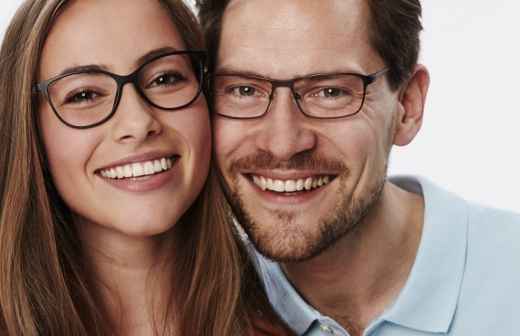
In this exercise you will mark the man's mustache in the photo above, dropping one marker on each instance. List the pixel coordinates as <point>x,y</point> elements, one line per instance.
<point>308,160</point>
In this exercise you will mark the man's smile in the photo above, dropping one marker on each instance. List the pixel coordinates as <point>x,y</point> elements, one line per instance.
<point>291,185</point>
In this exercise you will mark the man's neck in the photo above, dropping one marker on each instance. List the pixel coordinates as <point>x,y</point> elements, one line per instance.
<point>359,277</point>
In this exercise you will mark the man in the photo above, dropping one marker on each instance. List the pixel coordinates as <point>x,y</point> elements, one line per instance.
<point>309,98</point>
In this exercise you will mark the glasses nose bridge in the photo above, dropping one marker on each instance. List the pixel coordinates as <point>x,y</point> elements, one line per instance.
<point>287,84</point>
<point>122,81</point>
<point>282,83</point>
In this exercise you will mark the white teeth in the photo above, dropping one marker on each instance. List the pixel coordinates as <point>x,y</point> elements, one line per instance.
<point>148,168</point>
<point>260,181</point>
<point>308,183</point>
<point>279,186</point>
<point>120,172</point>
<point>157,166</point>
<point>138,169</point>
<point>269,184</point>
<point>263,183</point>
<point>287,186</point>
<point>128,171</point>
<point>290,186</point>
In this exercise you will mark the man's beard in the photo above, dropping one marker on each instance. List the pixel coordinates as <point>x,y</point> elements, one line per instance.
<point>289,243</point>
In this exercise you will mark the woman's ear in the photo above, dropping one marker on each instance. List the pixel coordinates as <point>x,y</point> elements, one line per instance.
<point>412,98</point>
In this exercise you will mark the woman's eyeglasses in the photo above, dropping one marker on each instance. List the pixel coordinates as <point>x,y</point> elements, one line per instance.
<point>88,97</point>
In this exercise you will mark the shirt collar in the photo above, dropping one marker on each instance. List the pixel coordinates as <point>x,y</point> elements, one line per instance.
<point>429,298</point>
<point>283,297</point>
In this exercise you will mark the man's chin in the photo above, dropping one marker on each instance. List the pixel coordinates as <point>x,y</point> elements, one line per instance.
<point>289,240</point>
<point>287,253</point>
<point>292,236</point>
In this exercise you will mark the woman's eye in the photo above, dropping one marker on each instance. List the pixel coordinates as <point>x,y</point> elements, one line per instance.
<point>167,79</point>
<point>81,97</point>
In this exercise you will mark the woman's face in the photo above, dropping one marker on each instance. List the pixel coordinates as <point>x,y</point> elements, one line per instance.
<point>171,147</point>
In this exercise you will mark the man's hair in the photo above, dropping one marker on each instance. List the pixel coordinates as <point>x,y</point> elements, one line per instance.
<point>394,33</point>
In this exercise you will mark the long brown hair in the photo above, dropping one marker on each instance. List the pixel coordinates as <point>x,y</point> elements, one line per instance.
<point>43,286</point>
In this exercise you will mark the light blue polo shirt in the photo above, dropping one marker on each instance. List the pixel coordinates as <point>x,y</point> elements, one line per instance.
<point>465,279</point>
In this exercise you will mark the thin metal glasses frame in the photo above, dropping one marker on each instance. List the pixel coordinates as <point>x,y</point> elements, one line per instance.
<point>275,83</point>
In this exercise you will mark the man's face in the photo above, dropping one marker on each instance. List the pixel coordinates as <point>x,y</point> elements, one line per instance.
<point>284,148</point>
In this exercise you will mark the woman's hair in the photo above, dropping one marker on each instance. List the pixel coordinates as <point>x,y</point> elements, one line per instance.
<point>44,287</point>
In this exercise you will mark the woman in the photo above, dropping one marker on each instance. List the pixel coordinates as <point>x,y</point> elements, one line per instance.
<point>107,226</point>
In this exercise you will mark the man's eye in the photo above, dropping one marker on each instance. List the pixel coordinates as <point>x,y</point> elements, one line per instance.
<point>81,97</point>
<point>332,92</point>
<point>244,91</point>
<point>166,79</point>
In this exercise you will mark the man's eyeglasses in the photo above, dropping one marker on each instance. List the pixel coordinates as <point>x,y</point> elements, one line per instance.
<point>321,96</point>
<point>89,97</point>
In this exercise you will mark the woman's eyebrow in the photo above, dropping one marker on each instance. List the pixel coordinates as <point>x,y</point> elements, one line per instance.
<point>84,68</point>
<point>154,53</point>
<point>101,67</point>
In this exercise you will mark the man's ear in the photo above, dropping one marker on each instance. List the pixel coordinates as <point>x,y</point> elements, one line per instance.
<point>412,98</point>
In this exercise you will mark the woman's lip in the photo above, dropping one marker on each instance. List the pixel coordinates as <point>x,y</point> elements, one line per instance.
<point>150,156</point>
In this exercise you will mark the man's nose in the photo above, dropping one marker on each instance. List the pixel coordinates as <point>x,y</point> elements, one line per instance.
<point>285,131</point>
<point>135,120</point>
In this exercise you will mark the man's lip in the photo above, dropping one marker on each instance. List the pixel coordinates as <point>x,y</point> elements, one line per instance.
<point>149,156</point>
<point>288,174</point>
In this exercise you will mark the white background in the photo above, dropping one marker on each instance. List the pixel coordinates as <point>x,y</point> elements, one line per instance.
<point>471,129</point>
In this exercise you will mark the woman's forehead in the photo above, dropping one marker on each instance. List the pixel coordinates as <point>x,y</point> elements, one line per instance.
<point>114,33</point>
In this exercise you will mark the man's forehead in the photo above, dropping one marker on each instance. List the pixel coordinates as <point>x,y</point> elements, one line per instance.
<point>252,11</point>
<point>299,33</point>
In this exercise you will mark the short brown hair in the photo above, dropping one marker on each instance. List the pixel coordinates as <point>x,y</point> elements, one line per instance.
<point>394,32</point>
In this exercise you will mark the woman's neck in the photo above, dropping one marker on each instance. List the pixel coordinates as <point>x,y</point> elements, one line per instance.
<point>134,276</point>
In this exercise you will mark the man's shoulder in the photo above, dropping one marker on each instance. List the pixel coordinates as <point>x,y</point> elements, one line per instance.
<point>489,290</point>
<point>483,215</point>
<point>492,227</point>
<point>445,206</point>
<point>493,244</point>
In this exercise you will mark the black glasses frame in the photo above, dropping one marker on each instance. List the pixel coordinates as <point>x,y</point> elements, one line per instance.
<point>198,60</point>
<point>276,83</point>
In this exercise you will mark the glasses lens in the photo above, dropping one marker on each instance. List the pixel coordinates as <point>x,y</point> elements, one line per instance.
<point>241,97</point>
<point>331,96</point>
<point>83,99</point>
<point>170,81</point>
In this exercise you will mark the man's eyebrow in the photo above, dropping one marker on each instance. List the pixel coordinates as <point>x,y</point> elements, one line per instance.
<point>235,71</point>
<point>101,67</point>
<point>232,71</point>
